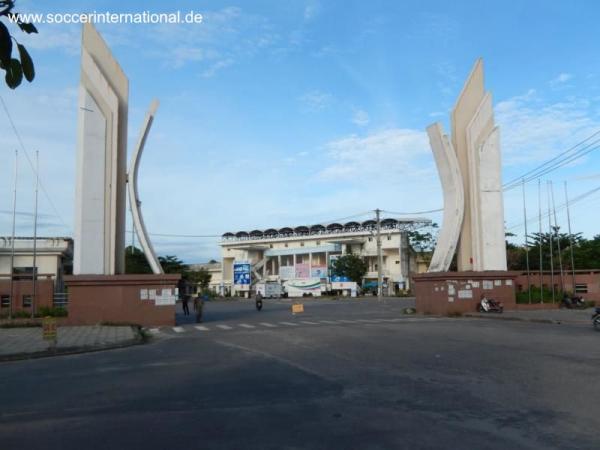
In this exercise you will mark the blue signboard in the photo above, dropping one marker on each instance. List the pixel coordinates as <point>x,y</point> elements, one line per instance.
<point>241,274</point>
<point>339,279</point>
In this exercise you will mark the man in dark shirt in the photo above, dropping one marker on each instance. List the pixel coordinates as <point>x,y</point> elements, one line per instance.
<point>184,302</point>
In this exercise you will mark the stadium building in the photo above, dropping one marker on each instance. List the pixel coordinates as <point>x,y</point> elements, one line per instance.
<point>306,252</point>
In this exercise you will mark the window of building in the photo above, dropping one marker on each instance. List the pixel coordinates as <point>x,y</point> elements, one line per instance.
<point>318,242</point>
<point>581,288</point>
<point>22,273</point>
<point>285,245</point>
<point>370,239</point>
<point>397,261</point>
<point>27,301</point>
<point>5,301</point>
<point>301,244</point>
<point>389,237</point>
<point>270,245</point>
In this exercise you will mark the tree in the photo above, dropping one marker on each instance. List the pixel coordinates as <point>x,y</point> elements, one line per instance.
<point>350,266</point>
<point>135,261</point>
<point>15,69</point>
<point>200,277</point>
<point>423,241</point>
<point>171,264</point>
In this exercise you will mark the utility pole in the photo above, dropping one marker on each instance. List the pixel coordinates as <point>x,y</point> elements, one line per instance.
<point>570,240</point>
<point>379,257</point>
<point>12,250</point>
<point>35,220</point>
<point>526,243</point>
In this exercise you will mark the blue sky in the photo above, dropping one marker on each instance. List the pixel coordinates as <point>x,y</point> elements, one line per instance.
<point>286,113</point>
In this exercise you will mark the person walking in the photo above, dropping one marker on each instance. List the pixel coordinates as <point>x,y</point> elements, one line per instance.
<point>184,302</point>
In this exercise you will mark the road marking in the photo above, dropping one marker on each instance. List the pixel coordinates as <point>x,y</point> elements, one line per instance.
<point>329,322</point>
<point>178,329</point>
<point>289,324</point>
<point>154,330</point>
<point>346,321</point>
<point>366,320</point>
<point>308,323</point>
<point>265,324</point>
<point>201,328</point>
<point>245,325</point>
<point>224,327</point>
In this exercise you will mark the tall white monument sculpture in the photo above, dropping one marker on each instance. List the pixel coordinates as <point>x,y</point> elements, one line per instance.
<point>138,220</point>
<point>470,170</point>
<point>101,160</point>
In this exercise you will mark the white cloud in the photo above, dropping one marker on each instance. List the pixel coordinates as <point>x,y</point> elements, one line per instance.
<point>437,114</point>
<point>360,118</point>
<point>561,79</point>
<point>219,65</point>
<point>384,154</point>
<point>533,130</point>
<point>312,9</point>
<point>316,100</point>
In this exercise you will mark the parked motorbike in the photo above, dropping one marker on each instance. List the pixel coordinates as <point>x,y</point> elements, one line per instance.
<point>596,319</point>
<point>489,305</point>
<point>576,302</point>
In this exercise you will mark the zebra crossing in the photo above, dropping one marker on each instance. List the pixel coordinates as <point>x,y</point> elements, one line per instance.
<point>205,328</point>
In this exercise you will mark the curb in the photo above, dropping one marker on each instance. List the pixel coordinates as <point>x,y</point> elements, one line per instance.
<point>140,339</point>
<point>521,319</point>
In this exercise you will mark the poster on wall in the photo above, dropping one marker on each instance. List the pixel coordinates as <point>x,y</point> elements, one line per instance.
<point>241,274</point>
<point>318,272</point>
<point>302,271</point>
<point>287,272</point>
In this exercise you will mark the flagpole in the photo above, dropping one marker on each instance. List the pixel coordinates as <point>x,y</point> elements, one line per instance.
<point>550,235</point>
<point>35,222</point>
<point>526,244</point>
<point>556,228</point>
<point>570,239</point>
<point>12,250</point>
<point>541,238</point>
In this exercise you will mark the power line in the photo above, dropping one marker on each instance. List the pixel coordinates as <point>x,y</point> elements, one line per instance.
<point>559,208</point>
<point>556,162</point>
<point>41,185</point>
<point>414,213</point>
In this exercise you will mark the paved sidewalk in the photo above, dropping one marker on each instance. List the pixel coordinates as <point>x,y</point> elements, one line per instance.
<point>574,316</point>
<point>24,342</point>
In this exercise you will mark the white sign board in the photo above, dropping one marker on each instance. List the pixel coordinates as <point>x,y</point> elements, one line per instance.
<point>467,293</point>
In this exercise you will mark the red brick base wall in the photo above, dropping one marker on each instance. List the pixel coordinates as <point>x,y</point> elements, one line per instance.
<point>44,294</point>
<point>444,293</point>
<point>97,298</point>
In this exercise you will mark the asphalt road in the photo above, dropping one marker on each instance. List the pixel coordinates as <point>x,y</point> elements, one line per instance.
<point>377,380</point>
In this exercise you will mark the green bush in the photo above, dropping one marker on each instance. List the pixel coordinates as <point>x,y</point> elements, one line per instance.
<point>536,295</point>
<point>21,315</point>
<point>52,312</point>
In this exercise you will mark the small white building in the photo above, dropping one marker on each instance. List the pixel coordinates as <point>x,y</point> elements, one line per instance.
<point>54,258</point>
<point>215,270</point>
<point>307,252</point>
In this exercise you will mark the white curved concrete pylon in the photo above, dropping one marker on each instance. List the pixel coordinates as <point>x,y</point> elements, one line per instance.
<point>454,198</point>
<point>138,221</point>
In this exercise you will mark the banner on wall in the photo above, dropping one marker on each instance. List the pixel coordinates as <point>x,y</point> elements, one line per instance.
<point>318,271</point>
<point>241,274</point>
<point>302,271</point>
<point>287,272</point>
